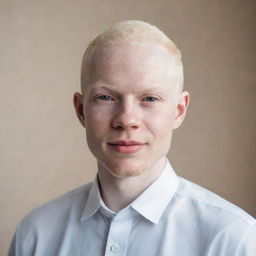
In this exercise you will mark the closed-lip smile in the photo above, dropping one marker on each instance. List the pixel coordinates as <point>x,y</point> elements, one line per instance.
<point>126,142</point>
<point>126,146</point>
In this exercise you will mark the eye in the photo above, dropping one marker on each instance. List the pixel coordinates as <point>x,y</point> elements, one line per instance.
<point>105,98</point>
<point>150,99</point>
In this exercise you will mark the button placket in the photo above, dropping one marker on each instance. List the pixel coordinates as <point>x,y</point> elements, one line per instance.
<point>118,238</point>
<point>114,247</point>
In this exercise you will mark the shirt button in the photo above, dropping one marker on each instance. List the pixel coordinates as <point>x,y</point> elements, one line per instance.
<point>114,248</point>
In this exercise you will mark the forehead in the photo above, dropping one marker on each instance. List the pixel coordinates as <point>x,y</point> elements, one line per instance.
<point>131,64</point>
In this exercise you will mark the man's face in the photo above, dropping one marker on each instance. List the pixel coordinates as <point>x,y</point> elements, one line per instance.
<point>130,107</point>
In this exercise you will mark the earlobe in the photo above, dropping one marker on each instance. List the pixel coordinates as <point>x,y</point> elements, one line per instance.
<point>79,107</point>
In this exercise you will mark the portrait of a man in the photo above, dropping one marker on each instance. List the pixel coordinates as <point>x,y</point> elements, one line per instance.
<point>131,101</point>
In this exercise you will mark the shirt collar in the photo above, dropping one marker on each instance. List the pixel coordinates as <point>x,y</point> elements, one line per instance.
<point>93,201</point>
<point>153,201</point>
<point>150,204</point>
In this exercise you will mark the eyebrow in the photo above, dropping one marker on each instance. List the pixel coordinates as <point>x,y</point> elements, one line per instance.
<point>104,87</point>
<point>146,90</point>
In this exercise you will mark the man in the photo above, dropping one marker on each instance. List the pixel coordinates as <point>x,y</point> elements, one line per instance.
<point>131,100</point>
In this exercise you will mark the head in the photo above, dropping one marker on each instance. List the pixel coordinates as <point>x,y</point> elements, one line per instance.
<point>130,32</point>
<point>131,97</point>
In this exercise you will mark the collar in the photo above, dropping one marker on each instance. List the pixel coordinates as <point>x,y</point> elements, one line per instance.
<point>154,200</point>
<point>93,201</point>
<point>150,204</point>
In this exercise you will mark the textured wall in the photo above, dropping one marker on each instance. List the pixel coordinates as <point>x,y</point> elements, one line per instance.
<point>43,151</point>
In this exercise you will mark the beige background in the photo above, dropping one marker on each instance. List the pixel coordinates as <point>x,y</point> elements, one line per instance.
<point>43,148</point>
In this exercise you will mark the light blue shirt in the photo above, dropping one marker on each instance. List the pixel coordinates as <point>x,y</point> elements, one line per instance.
<point>172,217</point>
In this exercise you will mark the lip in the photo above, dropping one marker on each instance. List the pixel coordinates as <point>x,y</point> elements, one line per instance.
<point>126,142</point>
<point>126,146</point>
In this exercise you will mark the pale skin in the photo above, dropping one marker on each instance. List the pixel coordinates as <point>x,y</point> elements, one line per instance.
<point>132,93</point>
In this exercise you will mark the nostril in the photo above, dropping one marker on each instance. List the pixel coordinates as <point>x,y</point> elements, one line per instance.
<point>118,127</point>
<point>126,118</point>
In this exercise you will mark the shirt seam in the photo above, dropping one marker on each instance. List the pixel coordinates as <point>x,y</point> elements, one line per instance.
<point>250,221</point>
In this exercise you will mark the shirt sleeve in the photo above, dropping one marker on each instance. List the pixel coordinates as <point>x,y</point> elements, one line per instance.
<point>23,242</point>
<point>12,249</point>
<point>247,246</point>
<point>236,239</point>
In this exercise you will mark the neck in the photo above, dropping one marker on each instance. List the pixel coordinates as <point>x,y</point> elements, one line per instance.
<point>119,192</point>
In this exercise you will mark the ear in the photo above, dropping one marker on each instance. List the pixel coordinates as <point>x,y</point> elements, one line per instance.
<point>181,109</point>
<point>79,107</point>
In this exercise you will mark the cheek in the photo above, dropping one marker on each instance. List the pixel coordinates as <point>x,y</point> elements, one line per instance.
<point>96,118</point>
<point>97,123</point>
<point>160,122</point>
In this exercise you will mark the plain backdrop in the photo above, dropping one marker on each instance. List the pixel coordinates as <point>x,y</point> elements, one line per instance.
<point>43,151</point>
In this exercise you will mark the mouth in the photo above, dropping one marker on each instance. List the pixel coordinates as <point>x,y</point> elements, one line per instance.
<point>126,146</point>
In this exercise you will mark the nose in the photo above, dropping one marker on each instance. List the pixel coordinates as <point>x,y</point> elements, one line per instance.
<point>127,116</point>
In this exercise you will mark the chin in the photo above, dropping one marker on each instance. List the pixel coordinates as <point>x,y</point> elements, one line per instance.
<point>126,170</point>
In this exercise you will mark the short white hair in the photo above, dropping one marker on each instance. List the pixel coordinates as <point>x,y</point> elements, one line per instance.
<point>131,31</point>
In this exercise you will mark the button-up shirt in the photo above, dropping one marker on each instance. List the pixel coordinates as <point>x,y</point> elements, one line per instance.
<point>172,217</point>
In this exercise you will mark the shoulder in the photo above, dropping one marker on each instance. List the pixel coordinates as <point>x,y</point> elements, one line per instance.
<point>204,199</point>
<point>44,228</point>
<point>56,211</point>
<point>221,224</point>
<point>47,223</point>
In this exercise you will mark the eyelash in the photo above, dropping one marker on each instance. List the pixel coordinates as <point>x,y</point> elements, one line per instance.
<point>101,97</point>
<point>109,98</point>
<point>151,97</point>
